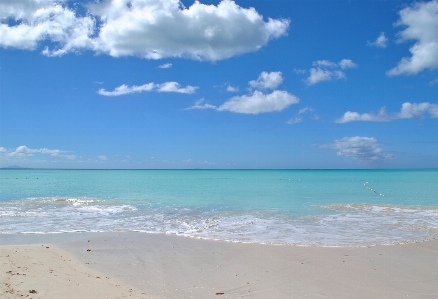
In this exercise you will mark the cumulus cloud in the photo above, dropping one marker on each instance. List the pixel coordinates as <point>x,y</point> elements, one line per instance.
<point>421,22</point>
<point>326,70</point>
<point>360,148</point>
<point>412,110</point>
<point>408,110</point>
<point>347,64</point>
<point>102,158</point>
<point>164,87</point>
<point>319,75</point>
<point>151,29</point>
<point>39,20</point>
<point>267,80</point>
<point>258,102</point>
<point>165,66</point>
<point>380,42</point>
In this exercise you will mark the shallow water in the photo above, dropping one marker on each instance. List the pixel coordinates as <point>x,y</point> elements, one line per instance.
<point>303,207</point>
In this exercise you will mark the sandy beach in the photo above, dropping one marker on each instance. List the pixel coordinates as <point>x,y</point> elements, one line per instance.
<point>138,265</point>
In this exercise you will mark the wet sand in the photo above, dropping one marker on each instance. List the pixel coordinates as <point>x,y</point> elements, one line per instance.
<point>142,265</point>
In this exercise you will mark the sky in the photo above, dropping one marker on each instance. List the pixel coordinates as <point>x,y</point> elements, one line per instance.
<point>252,84</point>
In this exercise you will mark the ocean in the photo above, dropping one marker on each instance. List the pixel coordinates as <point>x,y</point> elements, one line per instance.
<point>297,207</point>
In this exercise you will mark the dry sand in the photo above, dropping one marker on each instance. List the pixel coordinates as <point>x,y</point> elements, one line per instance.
<point>44,271</point>
<point>165,266</point>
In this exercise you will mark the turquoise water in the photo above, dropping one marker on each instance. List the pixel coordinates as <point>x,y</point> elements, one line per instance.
<point>303,207</point>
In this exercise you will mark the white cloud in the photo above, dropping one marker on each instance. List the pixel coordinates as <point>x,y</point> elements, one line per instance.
<point>267,80</point>
<point>40,20</point>
<point>359,148</point>
<point>412,110</point>
<point>295,120</point>
<point>347,64</point>
<point>164,87</point>
<point>151,29</point>
<point>102,158</point>
<point>421,22</point>
<point>258,102</point>
<point>232,88</point>
<point>324,63</point>
<point>299,116</point>
<point>326,70</point>
<point>319,75</point>
<point>408,110</point>
<point>23,152</point>
<point>175,87</point>
<point>380,42</point>
<point>199,105</point>
<point>125,89</point>
<point>433,82</point>
<point>299,71</point>
<point>165,66</point>
<point>350,116</point>
<point>254,103</point>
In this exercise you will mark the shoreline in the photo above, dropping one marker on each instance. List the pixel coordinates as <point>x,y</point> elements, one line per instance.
<point>169,266</point>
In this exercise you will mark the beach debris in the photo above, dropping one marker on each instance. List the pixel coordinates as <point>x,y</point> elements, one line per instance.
<point>88,249</point>
<point>32,291</point>
<point>220,293</point>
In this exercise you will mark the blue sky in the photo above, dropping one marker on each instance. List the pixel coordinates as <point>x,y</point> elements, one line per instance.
<point>218,84</point>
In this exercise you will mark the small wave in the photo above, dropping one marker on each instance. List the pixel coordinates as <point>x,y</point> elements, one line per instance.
<point>341,225</point>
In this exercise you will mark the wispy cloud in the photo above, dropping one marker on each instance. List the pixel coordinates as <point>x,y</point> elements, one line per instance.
<point>200,104</point>
<point>299,116</point>
<point>125,89</point>
<point>255,103</point>
<point>408,110</point>
<point>22,152</point>
<point>326,70</point>
<point>380,42</point>
<point>175,87</point>
<point>165,66</point>
<point>433,82</point>
<point>360,148</point>
<point>232,88</point>
<point>164,87</point>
